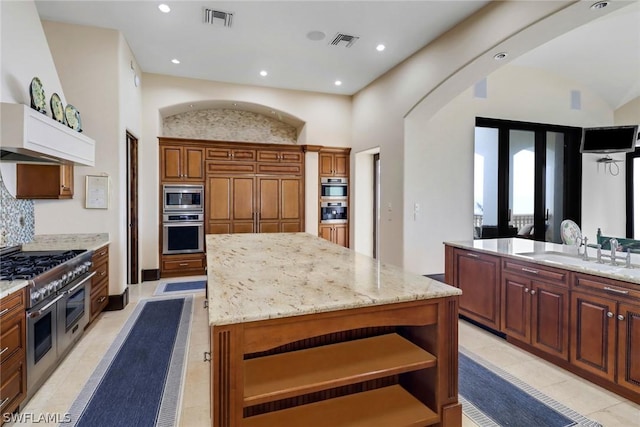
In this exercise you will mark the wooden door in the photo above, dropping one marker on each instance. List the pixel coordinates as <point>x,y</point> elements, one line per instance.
<point>341,235</point>
<point>516,307</point>
<point>478,276</point>
<point>326,232</point>
<point>628,320</point>
<point>268,205</point>
<point>171,163</point>
<point>550,319</point>
<point>326,164</point>
<point>593,334</point>
<point>244,211</point>
<point>340,165</point>
<point>219,202</point>
<point>194,163</point>
<point>291,205</point>
<point>66,181</point>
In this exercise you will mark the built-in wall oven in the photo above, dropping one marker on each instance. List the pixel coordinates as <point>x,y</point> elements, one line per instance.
<point>182,233</point>
<point>182,198</point>
<point>334,188</point>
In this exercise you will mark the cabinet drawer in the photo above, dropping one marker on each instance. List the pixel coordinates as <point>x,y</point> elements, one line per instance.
<point>12,303</point>
<point>283,168</point>
<point>230,167</point>
<point>268,156</point>
<point>13,382</point>
<point>100,255</point>
<point>231,154</point>
<point>102,272</point>
<point>12,336</point>
<point>535,271</point>
<point>99,299</point>
<point>602,285</point>
<point>182,264</point>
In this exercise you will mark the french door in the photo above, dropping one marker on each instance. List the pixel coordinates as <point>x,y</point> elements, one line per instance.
<point>527,179</point>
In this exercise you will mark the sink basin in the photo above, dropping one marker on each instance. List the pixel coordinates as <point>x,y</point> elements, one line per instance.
<point>562,258</point>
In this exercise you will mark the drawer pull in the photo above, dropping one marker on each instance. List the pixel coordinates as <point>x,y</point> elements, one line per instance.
<point>530,270</point>
<point>609,314</point>
<point>5,400</point>
<point>618,291</point>
<point>3,312</point>
<point>183,264</point>
<point>102,253</point>
<point>102,299</point>
<point>473,255</point>
<point>3,350</point>
<point>102,273</point>
<point>620,317</point>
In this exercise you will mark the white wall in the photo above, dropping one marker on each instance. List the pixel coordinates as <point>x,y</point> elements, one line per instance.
<point>439,156</point>
<point>327,121</point>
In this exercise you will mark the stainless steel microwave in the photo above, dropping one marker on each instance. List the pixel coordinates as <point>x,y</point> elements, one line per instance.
<point>182,198</point>
<point>334,188</point>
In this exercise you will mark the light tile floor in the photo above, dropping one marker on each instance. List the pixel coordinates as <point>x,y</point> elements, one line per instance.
<point>61,389</point>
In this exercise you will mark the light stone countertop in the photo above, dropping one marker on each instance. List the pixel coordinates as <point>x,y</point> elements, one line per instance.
<point>557,255</point>
<point>54,242</point>
<point>265,276</point>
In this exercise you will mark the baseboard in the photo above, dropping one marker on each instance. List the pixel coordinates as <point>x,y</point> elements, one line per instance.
<point>118,302</point>
<point>150,275</point>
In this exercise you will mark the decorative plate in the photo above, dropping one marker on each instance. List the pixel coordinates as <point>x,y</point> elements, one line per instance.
<point>570,232</point>
<point>57,110</point>
<point>73,118</point>
<point>38,100</point>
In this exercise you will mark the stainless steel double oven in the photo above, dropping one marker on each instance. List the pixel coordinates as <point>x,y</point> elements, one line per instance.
<point>182,219</point>
<point>334,206</point>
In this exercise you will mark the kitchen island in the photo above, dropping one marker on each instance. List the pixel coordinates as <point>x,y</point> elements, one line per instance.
<point>306,332</point>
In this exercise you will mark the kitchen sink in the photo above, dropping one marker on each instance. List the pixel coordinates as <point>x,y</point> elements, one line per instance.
<point>562,258</point>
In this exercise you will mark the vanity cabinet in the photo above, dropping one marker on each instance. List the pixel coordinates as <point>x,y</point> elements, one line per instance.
<point>181,163</point>
<point>535,306</point>
<point>605,324</point>
<point>99,282</point>
<point>478,276</point>
<point>44,181</point>
<point>13,350</point>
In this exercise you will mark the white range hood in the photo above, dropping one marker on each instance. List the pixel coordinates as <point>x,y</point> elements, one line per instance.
<point>30,136</point>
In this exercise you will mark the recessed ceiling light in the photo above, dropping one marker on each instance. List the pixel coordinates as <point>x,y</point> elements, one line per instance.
<point>338,83</point>
<point>380,47</point>
<point>599,5</point>
<point>500,56</point>
<point>263,73</point>
<point>316,35</point>
<point>175,61</point>
<point>164,8</point>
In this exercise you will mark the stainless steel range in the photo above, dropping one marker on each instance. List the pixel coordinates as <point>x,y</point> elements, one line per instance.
<point>58,304</point>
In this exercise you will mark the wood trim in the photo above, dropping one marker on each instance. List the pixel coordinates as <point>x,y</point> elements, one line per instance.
<point>205,143</point>
<point>118,302</point>
<point>311,148</point>
<point>150,274</point>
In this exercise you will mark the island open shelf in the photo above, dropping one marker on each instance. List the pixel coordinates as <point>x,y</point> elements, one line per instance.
<point>349,352</point>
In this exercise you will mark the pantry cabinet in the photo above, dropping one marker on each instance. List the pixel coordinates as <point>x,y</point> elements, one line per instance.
<point>44,181</point>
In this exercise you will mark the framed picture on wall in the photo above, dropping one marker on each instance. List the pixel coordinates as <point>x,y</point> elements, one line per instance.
<point>97,192</point>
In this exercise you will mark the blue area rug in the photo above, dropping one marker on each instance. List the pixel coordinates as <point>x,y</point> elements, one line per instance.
<point>492,397</point>
<point>181,287</point>
<point>139,381</point>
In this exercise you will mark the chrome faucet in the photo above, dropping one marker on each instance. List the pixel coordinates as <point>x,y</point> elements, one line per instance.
<point>614,249</point>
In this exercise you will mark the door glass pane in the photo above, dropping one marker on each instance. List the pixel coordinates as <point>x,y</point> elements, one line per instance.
<point>554,193</point>
<point>521,181</point>
<point>485,191</point>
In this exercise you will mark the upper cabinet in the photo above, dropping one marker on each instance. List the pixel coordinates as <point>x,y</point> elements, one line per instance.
<point>182,163</point>
<point>44,181</point>
<point>334,162</point>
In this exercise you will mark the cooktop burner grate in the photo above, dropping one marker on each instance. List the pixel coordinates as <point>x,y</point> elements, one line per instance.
<point>29,264</point>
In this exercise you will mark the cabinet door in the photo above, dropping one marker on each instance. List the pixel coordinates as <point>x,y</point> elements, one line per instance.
<point>326,232</point>
<point>171,163</point>
<point>230,205</point>
<point>341,235</point>
<point>66,181</point>
<point>516,307</point>
<point>326,164</point>
<point>340,165</point>
<point>194,163</point>
<point>628,319</point>
<point>268,203</point>
<point>244,211</point>
<point>44,181</point>
<point>593,334</point>
<point>478,276</point>
<point>550,319</point>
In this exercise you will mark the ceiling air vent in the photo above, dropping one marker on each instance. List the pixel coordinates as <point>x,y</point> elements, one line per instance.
<point>344,40</point>
<point>216,17</point>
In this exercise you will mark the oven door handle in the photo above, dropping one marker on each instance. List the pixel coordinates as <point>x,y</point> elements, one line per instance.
<point>72,290</point>
<point>38,313</point>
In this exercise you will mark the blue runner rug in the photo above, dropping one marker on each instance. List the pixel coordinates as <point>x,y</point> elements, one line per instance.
<point>492,397</point>
<point>138,382</point>
<point>180,287</point>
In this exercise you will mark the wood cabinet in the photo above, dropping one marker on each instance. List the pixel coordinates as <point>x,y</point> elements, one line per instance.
<point>605,325</point>
<point>246,204</point>
<point>183,265</point>
<point>44,181</point>
<point>181,163</point>
<point>334,163</point>
<point>478,276</point>
<point>336,233</point>
<point>13,337</point>
<point>535,306</point>
<point>99,282</point>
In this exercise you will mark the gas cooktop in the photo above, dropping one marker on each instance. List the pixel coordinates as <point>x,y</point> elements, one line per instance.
<point>16,264</point>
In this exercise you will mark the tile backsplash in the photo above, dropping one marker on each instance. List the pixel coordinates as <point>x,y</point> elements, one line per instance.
<point>228,125</point>
<point>17,219</point>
